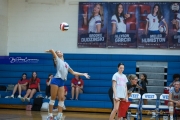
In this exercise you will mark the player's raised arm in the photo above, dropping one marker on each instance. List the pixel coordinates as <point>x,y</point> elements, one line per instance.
<point>53,53</point>
<point>78,73</point>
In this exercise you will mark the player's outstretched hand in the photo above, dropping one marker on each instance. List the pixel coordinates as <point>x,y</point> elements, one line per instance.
<point>49,50</point>
<point>86,75</point>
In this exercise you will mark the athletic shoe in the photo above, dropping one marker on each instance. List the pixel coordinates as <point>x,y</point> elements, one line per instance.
<point>22,99</point>
<point>27,99</point>
<point>59,116</point>
<point>64,107</point>
<point>50,118</point>
<point>12,96</point>
<point>19,96</point>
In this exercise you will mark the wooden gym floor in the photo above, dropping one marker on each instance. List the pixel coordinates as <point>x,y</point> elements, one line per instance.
<point>14,114</point>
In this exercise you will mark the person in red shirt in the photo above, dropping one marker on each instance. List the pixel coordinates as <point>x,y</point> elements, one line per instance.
<point>77,87</point>
<point>34,86</point>
<point>48,87</point>
<point>21,85</point>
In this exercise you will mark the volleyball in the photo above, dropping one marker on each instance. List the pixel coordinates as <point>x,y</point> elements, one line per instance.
<point>64,26</point>
<point>162,29</point>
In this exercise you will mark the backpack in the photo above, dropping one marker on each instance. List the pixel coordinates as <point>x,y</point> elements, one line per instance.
<point>2,88</point>
<point>37,104</point>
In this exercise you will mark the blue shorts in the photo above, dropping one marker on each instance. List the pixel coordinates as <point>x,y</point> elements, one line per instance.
<point>153,32</point>
<point>57,81</point>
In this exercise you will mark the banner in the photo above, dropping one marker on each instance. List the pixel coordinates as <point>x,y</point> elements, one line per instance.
<point>92,24</point>
<point>153,25</point>
<point>122,25</point>
<point>174,29</point>
<point>129,25</point>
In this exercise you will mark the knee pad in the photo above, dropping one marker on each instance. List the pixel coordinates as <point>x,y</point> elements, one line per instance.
<point>171,109</point>
<point>61,103</point>
<point>51,102</point>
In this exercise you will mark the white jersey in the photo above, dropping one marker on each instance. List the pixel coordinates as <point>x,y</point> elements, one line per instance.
<point>175,95</point>
<point>121,87</point>
<point>120,26</point>
<point>153,22</point>
<point>178,19</point>
<point>62,69</point>
<point>96,20</point>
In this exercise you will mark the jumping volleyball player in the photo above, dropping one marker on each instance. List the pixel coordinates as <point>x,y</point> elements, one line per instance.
<point>57,83</point>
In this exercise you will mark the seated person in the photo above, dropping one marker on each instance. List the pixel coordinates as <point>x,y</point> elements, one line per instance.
<point>34,86</point>
<point>175,78</point>
<point>48,87</point>
<point>76,87</point>
<point>174,97</point>
<point>21,85</point>
<point>65,92</point>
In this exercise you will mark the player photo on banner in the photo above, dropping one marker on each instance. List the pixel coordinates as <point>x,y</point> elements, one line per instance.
<point>122,24</point>
<point>174,26</point>
<point>153,25</point>
<point>92,24</point>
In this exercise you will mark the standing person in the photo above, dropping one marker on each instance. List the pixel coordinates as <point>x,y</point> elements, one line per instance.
<point>153,20</point>
<point>143,84</point>
<point>34,86</point>
<point>119,86</point>
<point>22,85</point>
<point>57,83</point>
<point>131,86</point>
<point>95,21</point>
<point>118,20</point>
<point>77,85</point>
<point>48,81</point>
<point>174,97</point>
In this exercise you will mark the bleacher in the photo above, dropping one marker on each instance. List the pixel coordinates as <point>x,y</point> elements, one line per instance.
<point>100,67</point>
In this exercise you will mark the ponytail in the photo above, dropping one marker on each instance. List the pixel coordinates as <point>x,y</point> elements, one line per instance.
<point>145,78</point>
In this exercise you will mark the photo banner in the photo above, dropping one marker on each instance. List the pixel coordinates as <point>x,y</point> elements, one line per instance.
<point>92,24</point>
<point>122,24</point>
<point>174,26</point>
<point>153,25</point>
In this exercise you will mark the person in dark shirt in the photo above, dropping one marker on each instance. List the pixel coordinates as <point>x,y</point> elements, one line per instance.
<point>143,84</point>
<point>175,78</point>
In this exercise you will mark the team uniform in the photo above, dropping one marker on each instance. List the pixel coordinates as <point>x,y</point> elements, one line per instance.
<point>59,80</point>
<point>153,24</point>
<point>96,20</point>
<point>61,74</point>
<point>175,95</point>
<point>120,26</point>
<point>121,89</point>
<point>79,82</point>
<point>34,84</point>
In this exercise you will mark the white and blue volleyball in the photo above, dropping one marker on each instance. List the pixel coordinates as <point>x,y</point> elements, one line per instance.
<point>64,26</point>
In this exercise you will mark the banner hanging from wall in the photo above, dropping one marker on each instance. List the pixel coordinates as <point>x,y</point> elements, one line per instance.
<point>129,25</point>
<point>153,25</point>
<point>92,24</point>
<point>174,29</point>
<point>122,25</point>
